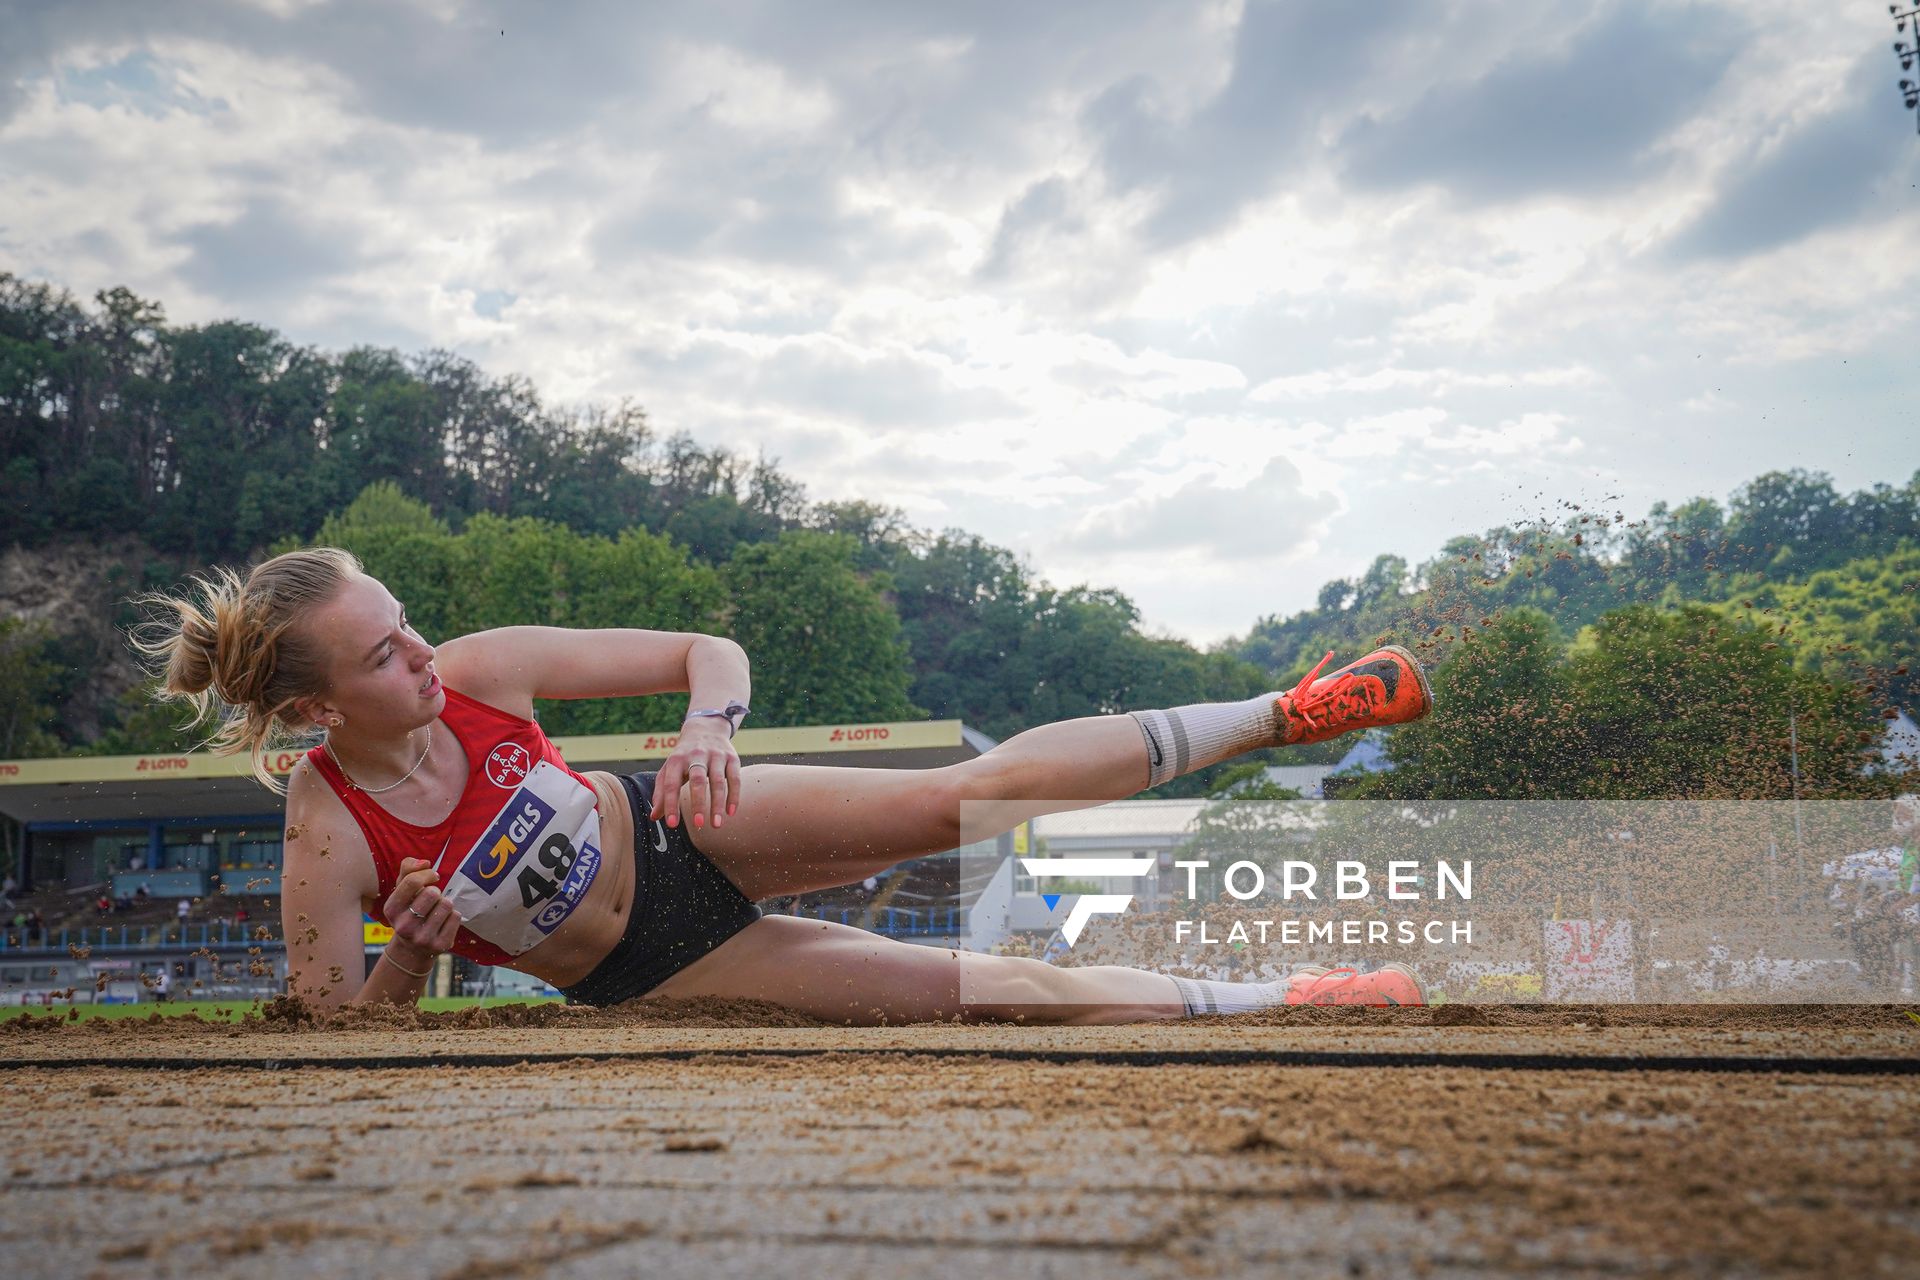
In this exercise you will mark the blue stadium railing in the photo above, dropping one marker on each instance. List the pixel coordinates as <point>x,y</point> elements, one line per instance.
<point>147,937</point>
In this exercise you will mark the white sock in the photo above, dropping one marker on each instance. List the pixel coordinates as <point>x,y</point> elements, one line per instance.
<point>1184,739</point>
<point>1203,995</point>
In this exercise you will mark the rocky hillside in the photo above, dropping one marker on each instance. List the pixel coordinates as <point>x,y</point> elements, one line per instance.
<point>80,589</point>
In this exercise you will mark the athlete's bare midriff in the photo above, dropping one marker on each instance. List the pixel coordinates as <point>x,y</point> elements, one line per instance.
<point>579,945</point>
<point>594,926</point>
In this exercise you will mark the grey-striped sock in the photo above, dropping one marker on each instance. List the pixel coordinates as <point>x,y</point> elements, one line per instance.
<point>1183,739</point>
<point>1203,995</point>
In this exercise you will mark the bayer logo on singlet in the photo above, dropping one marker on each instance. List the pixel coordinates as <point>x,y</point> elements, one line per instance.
<point>507,765</point>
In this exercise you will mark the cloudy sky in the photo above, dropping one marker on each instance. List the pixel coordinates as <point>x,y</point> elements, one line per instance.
<point>1210,302</point>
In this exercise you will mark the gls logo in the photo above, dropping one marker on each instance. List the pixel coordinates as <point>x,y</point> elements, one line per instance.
<point>500,848</point>
<point>503,848</point>
<point>1087,905</point>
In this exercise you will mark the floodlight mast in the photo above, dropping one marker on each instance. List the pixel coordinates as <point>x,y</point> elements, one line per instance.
<point>1908,51</point>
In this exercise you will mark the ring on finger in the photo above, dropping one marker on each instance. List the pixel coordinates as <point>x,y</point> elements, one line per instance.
<point>696,765</point>
<point>415,914</point>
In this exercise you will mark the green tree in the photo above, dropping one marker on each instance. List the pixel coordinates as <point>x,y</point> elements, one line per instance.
<point>1689,703</point>
<point>141,724</point>
<point>1788,517</point>
<point>402,543</point>
<point>1384,580</point>
<point>1857,621</point>
<point>382,510</point>
<point>638,580</point>
<point>824,644</point>
<point>1500,726</point>
<point>880,530</point>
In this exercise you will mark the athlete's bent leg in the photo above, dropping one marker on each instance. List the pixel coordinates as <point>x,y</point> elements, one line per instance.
<point>802,827</point>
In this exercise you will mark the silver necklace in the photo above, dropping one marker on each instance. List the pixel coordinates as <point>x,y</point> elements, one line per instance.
<point>374,791</point>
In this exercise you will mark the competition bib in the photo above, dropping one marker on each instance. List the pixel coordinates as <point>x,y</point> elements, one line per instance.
<point>532,867</point>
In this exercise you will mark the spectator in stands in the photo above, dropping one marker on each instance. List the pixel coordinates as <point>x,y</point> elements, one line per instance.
<point>103,906</point>
<point>7,890</point>
<point>1906,950</point>
<point>36,926</point>
<point>183,910</point>
<point>162,985</point>
<point>140,896</point>
<point>1876,924</point>
<point>240,913</point>
<point>1906,831</point>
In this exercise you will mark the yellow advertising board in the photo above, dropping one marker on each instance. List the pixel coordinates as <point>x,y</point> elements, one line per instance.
<point>800,740</point>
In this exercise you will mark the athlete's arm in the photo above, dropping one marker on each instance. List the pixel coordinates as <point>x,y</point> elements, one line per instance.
<point>328,872</point>
<point>425,925</point>
<point>609,662</point>
<point>510,666</point>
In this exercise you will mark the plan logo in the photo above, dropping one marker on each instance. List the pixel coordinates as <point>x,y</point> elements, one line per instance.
<point>1087,905</point>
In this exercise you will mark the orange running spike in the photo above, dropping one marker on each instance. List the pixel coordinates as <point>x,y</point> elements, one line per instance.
<point>1385,687</point>
<point>1390,984</point>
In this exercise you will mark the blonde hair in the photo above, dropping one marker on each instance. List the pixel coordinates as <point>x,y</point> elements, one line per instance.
<point>239,656</point>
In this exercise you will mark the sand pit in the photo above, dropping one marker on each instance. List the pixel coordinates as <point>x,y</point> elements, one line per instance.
<point>703,1140</point>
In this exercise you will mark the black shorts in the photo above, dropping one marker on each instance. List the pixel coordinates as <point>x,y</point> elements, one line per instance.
<point>683,907</point>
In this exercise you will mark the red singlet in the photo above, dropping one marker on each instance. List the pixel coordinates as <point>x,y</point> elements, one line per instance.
<point>501,750</point>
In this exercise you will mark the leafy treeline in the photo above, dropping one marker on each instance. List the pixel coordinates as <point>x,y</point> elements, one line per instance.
<point>1837,569</point>
<point>1565,649</point>
<point>1650,703</point>
<point>212,440</point>
<point>1587,655</point>
<point>952,629</point>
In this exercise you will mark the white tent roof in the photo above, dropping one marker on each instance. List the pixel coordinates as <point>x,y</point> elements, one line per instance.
<point>1122,818</point>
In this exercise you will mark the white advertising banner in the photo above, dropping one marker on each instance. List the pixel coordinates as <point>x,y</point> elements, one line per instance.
<point>1589,960</point>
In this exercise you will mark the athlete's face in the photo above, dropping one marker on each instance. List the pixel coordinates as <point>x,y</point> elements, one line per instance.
<point>380,663</point>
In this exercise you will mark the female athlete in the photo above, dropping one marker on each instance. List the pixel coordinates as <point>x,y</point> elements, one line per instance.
<point>435,803</point>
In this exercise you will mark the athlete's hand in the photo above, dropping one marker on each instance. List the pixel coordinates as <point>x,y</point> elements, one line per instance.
<point>424,922</point>
<point>705,761</point>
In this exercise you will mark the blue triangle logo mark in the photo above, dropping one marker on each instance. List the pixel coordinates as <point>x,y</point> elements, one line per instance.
<point>1051,899</point>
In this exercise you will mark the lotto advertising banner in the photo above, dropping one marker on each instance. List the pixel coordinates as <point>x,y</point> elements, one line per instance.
<point>1492,902</point>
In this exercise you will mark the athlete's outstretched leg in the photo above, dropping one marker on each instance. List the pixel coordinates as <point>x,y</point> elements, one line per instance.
<point>803,827</point>
<point>846,975</point>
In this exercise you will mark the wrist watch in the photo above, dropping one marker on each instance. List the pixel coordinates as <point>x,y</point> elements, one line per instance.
<point>733,713</point>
